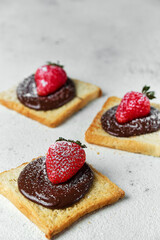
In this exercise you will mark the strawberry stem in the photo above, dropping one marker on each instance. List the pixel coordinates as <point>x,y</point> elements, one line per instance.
<point>149,94</point>
<point>68,140</point>
<point>55,64</point>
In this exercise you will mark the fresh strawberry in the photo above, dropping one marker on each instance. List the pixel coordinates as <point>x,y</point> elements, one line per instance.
<point>64,159</point>
<point>134,105</point>
<point>49,78</point>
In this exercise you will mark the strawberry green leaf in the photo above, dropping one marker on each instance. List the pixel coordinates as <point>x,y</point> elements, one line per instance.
<point>55,64</point>
<point>68,140</point>
<point>145,89</point>
<point>149,94</point>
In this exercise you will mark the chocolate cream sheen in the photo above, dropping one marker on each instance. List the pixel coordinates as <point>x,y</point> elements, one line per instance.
<point>136,127</point>
<point>27,95</point>
<point>34,184</point>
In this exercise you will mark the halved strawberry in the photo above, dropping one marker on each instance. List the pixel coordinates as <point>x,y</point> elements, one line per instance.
<point>64,159</point>
<point>49,78</point>
<point>134,105</point>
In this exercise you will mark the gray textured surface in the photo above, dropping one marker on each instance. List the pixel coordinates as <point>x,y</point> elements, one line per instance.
<point>114,44</point>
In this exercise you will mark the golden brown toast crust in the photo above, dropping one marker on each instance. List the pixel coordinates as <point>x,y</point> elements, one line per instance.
<point>148,144</point>
<point>85,92</point>
<point>103,192</point>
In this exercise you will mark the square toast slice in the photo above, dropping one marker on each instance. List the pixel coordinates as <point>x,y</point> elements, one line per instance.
<point>103,192</point>
<point>148,144</point>
<point>85,92</point>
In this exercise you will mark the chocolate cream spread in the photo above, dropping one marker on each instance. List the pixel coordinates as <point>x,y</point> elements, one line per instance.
<point>27,95</point>
<point>136,127</point>
<point>34,184</point>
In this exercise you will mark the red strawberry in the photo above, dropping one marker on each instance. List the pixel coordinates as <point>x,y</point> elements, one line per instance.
<point>134,105</point>
<point>49,78</point>
<point>64,159</point>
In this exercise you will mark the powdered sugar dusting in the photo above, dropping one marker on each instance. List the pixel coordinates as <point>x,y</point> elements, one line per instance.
<point>139,126</point>
<point>63,160</point>
<point>34,184</point>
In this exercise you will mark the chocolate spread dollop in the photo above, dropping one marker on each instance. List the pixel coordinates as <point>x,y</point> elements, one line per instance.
<point>27,95</point>
<point>136,127</point>
<point>34,184</point>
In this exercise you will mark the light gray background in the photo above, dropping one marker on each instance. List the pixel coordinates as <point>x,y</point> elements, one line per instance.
<point>114,44</point>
